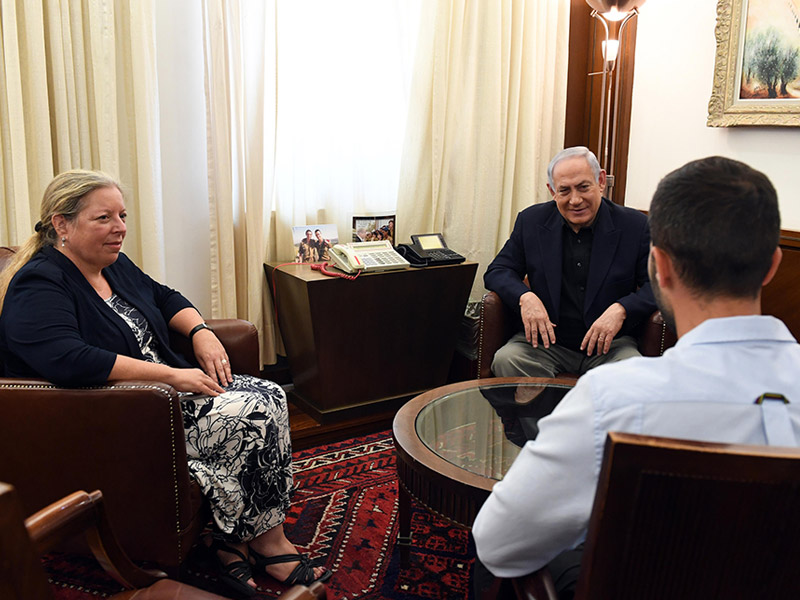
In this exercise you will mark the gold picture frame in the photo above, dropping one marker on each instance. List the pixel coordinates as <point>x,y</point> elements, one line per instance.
<point>736,99</point>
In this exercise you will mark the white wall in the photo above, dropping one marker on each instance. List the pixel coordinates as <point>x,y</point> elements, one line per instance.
<point>179,42</point>
<point>675,51</point>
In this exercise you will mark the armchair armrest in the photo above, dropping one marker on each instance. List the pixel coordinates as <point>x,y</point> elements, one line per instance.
<point>240,339</point>
<point>21,543</point>
<point>495,328</point>
<point>655,336</point>
<point>81,513</point>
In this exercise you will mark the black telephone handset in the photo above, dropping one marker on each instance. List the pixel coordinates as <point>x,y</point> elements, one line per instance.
<point>429,249</point>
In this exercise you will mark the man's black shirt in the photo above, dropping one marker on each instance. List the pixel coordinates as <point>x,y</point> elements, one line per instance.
<point>576,250</point>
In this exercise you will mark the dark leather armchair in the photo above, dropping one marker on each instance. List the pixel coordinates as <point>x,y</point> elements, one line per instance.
<point>688,519</point>
<point>126,439</point>
<point>496,326</point>
<point>22,543</point>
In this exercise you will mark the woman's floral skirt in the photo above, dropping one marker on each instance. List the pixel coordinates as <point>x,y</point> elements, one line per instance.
<point>240,452</point>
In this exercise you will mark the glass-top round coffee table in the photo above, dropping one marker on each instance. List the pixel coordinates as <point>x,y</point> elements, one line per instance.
<point>455,442</point>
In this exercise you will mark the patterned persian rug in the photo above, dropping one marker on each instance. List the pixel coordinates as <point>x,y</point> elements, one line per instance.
<point>344,511</point>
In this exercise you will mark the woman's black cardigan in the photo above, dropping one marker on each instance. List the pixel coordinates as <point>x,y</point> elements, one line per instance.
<point>54,325</point>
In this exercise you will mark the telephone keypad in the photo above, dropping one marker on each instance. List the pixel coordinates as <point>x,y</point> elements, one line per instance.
<point>374,259</point>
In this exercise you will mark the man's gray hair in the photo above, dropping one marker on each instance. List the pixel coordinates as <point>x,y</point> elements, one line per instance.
<point>569,153</point>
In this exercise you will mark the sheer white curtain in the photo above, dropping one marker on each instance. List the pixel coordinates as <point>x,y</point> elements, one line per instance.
<point>344,75</point>
<point>78,90</point>
<point>487,113</point>
<point>307,102</point>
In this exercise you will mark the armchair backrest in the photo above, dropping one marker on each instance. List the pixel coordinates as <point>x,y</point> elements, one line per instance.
<point>685,519</point>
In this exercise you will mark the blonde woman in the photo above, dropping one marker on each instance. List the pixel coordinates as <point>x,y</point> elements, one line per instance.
<point>76,311</point>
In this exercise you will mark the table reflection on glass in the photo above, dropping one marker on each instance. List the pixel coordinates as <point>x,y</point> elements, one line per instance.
<point>455,442</point>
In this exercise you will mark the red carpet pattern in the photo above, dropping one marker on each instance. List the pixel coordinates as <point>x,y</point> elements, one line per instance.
<point>344,512</point>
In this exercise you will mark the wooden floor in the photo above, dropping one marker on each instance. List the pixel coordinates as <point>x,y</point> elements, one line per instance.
<point>307,433</point>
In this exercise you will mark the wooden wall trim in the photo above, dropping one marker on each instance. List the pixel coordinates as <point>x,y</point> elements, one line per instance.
<point>625,100</point>
<point>578,120</point>
<point>790,239</point>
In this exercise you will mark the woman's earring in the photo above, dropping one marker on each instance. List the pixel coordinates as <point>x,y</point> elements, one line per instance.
<point>63,241</point>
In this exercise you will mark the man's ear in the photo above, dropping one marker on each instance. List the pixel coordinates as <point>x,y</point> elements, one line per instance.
<point>665,272</point>
<point>773,268</point>
<point>601,180</point>
<point>552,192</point>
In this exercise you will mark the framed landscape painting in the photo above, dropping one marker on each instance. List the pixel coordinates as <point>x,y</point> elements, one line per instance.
<point>757,69</point>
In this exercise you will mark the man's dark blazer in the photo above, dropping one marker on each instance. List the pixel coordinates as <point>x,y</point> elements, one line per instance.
<point>617,268</point>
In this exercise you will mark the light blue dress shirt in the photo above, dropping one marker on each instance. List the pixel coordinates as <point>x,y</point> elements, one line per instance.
<point>704,388</point>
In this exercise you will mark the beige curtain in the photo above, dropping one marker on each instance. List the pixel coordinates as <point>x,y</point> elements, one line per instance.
<point>78,90</point>
<point>486,115</point>
<point>240,91</point>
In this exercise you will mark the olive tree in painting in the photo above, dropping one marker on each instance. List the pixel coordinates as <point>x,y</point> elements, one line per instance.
<point>771,63</point>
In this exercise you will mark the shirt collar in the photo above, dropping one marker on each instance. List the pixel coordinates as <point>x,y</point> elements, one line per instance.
<point>737,329</point>
<point>569,229</point>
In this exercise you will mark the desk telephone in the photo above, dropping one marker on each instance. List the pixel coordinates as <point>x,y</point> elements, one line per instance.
<point>367,257</point>
<point>429,249</point>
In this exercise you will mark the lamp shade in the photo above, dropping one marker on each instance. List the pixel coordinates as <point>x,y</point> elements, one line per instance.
<point>621,6</point>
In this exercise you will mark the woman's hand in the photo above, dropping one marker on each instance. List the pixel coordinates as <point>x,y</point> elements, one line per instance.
<point>194,381</point>
<point>211,355</point>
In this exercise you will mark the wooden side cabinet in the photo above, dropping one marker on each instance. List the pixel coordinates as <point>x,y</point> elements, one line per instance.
<point>370,344</point>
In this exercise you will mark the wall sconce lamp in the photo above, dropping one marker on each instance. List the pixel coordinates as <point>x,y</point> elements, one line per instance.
<point>613,15</point>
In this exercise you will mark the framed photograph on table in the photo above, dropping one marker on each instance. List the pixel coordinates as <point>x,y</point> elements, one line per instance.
<point>757,70</point>
<point>313,242</point>
<point>374,228</point>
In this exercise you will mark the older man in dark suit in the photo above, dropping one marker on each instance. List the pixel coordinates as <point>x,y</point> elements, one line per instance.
<point>586,263</point>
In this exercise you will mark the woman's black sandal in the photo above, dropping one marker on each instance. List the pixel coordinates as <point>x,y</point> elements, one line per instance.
<point>235,574</point>
<point>303,573</point>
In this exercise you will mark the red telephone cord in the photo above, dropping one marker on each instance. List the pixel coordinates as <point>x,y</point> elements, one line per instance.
<point>323,268</point>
